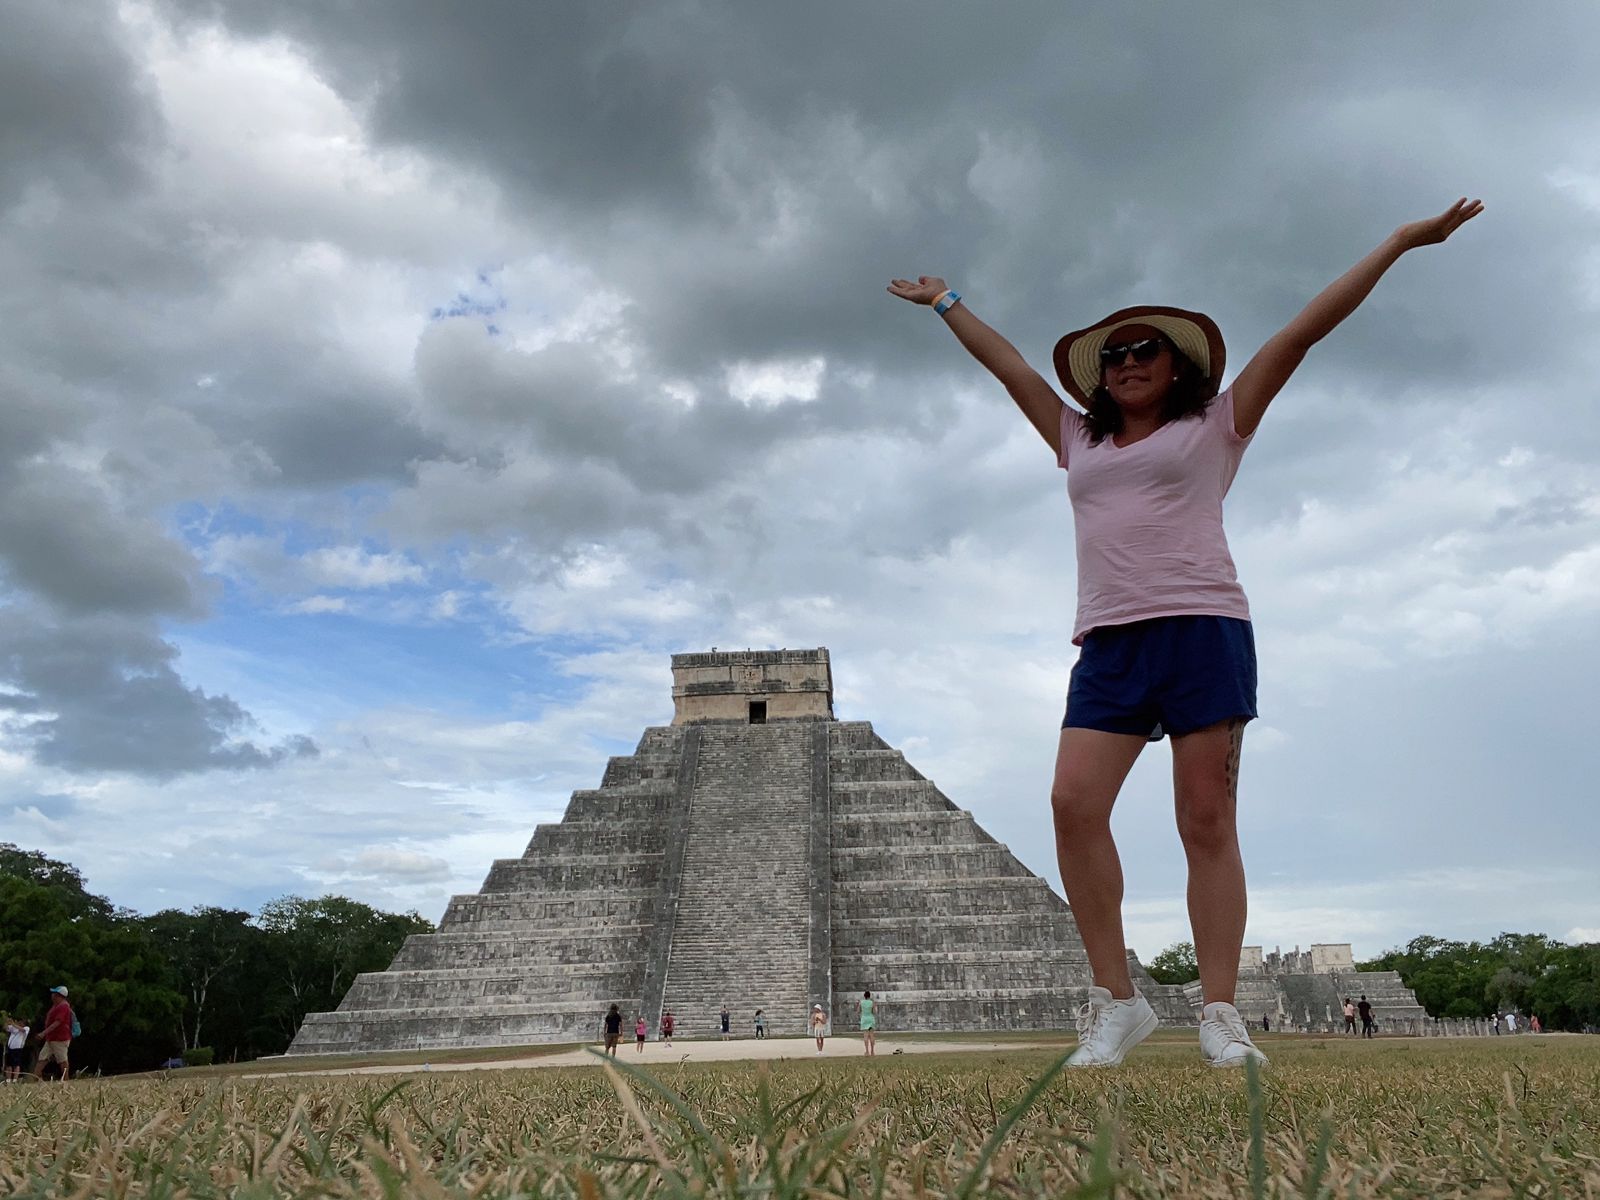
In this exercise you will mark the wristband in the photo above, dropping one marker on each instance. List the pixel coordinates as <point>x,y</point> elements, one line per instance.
<point>946,302</point>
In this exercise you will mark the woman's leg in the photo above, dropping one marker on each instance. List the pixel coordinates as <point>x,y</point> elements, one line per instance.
<point>1090,768</point>
<point>1205,778</point>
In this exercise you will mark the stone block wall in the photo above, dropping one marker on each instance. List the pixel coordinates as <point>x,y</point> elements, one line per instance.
<point>787,684</point>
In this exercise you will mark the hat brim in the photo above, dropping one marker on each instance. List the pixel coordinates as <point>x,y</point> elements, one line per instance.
<point>1077,354</point>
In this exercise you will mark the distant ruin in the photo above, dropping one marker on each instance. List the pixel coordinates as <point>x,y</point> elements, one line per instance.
<point>1305,989</point>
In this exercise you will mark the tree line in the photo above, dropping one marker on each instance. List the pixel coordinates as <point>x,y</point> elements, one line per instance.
<point>148,988</point>
<point>1515,972</point>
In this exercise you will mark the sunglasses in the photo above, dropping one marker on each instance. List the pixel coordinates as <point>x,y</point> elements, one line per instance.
<point>1143,351</point>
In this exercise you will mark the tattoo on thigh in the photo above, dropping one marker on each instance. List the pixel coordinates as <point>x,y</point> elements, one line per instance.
<point>1235,749</point>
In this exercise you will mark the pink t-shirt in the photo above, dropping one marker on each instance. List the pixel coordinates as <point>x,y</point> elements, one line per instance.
<point>1149,520</point>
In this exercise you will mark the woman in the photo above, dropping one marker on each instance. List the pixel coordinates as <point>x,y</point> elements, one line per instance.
<point>869,1025</point>
<point>640,1032</point>
<point>819,1025</point>
<point>1162,624</point>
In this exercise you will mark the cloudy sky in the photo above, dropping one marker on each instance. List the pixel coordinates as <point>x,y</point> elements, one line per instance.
<point>386,391</point>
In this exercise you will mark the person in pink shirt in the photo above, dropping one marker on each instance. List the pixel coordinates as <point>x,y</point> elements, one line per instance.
<point>1163,626</point>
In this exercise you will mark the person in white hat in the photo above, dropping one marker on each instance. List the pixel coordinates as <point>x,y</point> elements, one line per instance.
<point>1162,624</point>
<point>819,1025</point>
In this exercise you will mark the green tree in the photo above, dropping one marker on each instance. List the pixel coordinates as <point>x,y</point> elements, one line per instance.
<point>317,947</point>
<point>1175,964</point>
<point>118,980</point>
<point>210,951</point>
<point>1529,972</point>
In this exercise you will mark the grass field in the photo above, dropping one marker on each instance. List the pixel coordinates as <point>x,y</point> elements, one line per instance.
<point>1487,1117</point>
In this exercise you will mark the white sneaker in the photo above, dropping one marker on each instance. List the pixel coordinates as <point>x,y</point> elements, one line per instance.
<point>1109,1028</point>
<point>1223,1038</point>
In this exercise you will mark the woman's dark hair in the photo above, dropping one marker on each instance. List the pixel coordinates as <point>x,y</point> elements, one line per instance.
<point>1189,397</point>
<point>867,995</point>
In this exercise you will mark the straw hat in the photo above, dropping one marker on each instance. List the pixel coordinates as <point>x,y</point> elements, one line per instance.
<point>1077,355</point>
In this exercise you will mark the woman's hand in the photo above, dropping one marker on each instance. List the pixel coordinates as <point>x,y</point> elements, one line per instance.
<point>924,289</point>
<point>1435,229</point>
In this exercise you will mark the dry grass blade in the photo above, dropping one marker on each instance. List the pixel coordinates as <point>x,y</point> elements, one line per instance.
<point>1384,1121</point>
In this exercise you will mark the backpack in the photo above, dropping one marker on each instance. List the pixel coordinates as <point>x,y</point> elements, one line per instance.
<point>77,1030</point>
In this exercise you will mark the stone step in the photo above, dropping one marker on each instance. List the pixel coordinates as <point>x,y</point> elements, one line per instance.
<point>857,899</point>
<point>924,863</point>
<point>556,911</point>
<point>583,872</point>
<point>1017,931</point>
<point>660,741</point>
<point>590,983</point>
<point>855,735</point>
<point>481,1025</point>
<point>975,973</point>
<point>908,829</point>
<point>437,951</point>
<point>862,765</point>
<point>900,796</point>
<point>622,804</point>
<point>571,838</point>
<point>639,768</point>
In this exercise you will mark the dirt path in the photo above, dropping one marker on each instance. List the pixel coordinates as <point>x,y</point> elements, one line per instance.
<point>655,1054</point>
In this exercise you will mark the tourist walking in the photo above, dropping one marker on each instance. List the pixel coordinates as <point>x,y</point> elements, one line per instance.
<point>1511,1022</point>
<point>1166,645</point>
<point>869,1025</point>
<point>640,1032</point>
<point>725,1030</point>
<point>761,1024</point>
<point>613,1030</point>
<point>1369,1027</point>
<point>16,1047</point>
<point>819,1025</point>
<point>60,1027</point>
<point>1349,1015</point>
<point>1533,1024</point>
<point>1266,1024</point>
<point>668,1022</point>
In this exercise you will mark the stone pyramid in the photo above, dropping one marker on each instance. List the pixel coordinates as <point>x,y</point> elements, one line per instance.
<point>756,853</point>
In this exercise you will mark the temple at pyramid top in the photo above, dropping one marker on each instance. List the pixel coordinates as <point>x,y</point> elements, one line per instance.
<point>752,686</point>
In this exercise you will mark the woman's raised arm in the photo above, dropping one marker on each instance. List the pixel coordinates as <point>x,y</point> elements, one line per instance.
<point>1270,369</point>
<point>1036,398</point>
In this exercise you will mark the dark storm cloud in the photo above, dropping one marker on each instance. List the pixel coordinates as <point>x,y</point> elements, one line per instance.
<point>91,268</point>
<point>62,540</point>
<point>74,100</point>
<point>101,694</point>
<point>1236,164</point>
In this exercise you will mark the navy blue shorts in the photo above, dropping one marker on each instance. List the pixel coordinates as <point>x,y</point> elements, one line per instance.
<point>1167,674</point>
